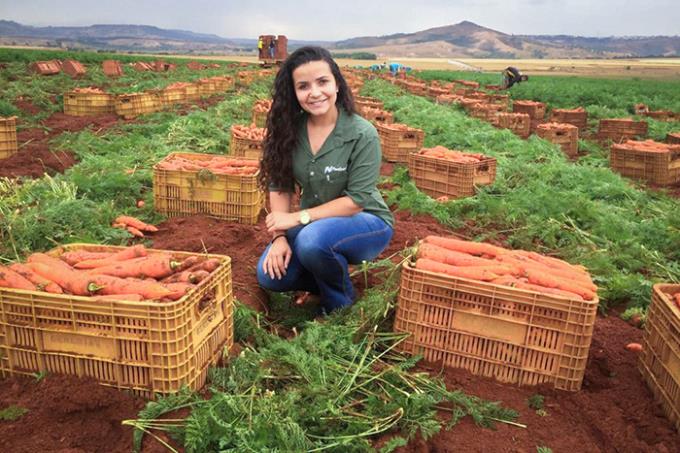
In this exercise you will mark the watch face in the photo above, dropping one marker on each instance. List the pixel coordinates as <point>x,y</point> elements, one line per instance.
<point>304,217</point>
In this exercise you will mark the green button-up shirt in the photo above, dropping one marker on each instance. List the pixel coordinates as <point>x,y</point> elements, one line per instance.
<point>348,164</point>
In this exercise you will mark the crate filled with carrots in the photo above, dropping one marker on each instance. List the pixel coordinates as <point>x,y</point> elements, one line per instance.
<point>513,315</point>
<point>660,357</point>
<point>219,186</point>
<point>442,172</point>
<point>377,115</point>
<point>247,141</point>
<point>150,321</point>
<point>648,160</point>
<point>398,141</point>
<point>362,102</point>
<point>261,109</point>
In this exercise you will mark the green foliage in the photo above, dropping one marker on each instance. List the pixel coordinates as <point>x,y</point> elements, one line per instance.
<point>356,55</point>
<point>12,413</point>
<point>543,450</point>
<point>536,401</point>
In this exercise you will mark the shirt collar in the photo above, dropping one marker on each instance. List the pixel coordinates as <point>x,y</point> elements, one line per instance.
<point>342,133</point>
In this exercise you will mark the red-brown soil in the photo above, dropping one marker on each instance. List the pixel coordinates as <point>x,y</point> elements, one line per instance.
<point>26,106</point>
<point>614,411</point>
<point>35,156</point>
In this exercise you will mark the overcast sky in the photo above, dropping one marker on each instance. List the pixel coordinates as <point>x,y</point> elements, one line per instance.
<point>342,19</point>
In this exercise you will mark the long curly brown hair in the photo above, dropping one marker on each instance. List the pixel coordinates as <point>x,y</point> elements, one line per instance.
<point>286,116</point>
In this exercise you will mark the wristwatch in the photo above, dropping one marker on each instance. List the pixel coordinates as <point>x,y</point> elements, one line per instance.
<point>304,217</point>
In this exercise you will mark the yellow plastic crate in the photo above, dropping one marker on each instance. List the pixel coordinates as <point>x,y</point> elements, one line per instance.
<point>8,137</point>
<point>147,347</point>
<point>132,105</point>
<point>230,197</point>
<point>512,335</point>
<point>660,358</point>
<point>398,144</point>
<point>86,104</point>
<point>440,177</point>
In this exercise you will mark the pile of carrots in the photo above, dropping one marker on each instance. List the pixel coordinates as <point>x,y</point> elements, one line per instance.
<point>262,106</point>
<point>441,152</point>
<point>398,127</point>
<point>556,126</point>
<point>647,146</point>
<point>133,225</point>
<point>90,90</point>
<point>129,274</point>
<point>178,85</point>
<point>248,132</point>
<point>517,268</point>
<point>219,165</point>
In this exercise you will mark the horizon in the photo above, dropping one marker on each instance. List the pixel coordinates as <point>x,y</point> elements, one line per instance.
<point>307,21</point>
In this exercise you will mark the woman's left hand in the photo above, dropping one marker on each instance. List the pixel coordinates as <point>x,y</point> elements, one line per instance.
<point>282,221</point>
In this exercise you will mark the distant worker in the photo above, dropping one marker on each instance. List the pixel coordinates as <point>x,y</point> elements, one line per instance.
<point>512,76</point>
<point>272,48</point>
<point>394,68</point>
<point>374,67</point>
<point>260,46</point>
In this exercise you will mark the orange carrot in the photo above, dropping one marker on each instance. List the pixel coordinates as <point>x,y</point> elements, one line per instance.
<point>153,266</point>
<point>146,288</point>
<point>50,261</point>
<point>543,279</point>
<point>544,290</point>
<point>180,277</point>
<point>134,231</point>
<point>77,283</point>
<point>82,255</point>
<point>473,248</point>
<point>41,283</point>
<point>11,279</point>
<point>189,262</point>
<point>523,263</point>
<point>135,251</point>
<point>472,273</point>
<point>135,223</point>
<point>452,257</point>
<point>130,297</point>
<point>634,347</point>
<point>208,265</point>
<point>179,290</point>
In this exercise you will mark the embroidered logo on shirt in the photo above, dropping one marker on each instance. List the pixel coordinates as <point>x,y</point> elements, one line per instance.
<point>330,169</point>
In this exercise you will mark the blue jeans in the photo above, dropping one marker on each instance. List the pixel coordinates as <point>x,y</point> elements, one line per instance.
<point>321,252</point>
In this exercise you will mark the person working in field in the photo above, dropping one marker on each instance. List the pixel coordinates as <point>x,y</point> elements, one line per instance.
<point>395,68</point>
<point>317,142</point>
<point>512,76</point>
<point>260,46</point>
<point>272,48</point>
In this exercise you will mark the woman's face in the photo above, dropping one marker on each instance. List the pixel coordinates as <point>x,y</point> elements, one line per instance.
<point>315,87</point>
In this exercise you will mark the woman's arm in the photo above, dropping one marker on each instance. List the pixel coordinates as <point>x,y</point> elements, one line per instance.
<point>279,221</point>
<point>280,203</point>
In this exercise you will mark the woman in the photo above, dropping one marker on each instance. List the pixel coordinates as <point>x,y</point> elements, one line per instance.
<point>317,142</point>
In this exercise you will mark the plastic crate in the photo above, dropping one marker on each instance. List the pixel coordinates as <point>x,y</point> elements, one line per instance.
<point>377,115</point>
<point>487,112</point>
<point>620,129</point>
<point>87,104</point>
<point>230,197</point>
<point>512,335</point>
<point>577,117</point>
<point>440,177</point>
<point>132,105</point>
<point>660,358</point>
<point>206,87</point>
<point>147,347</point>
<point>172,96</point>
<point>518,123</point>
<point>8,137</point>
<point>661,168</point>
<point>362,102</point>
<point>673,138</point>
<point>562,134</point>
<point>398,144</point>
<point>536,110</point>
<point>245,147</point>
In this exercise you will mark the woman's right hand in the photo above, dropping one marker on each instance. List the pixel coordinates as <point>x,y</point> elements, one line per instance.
<point>277,259</point>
